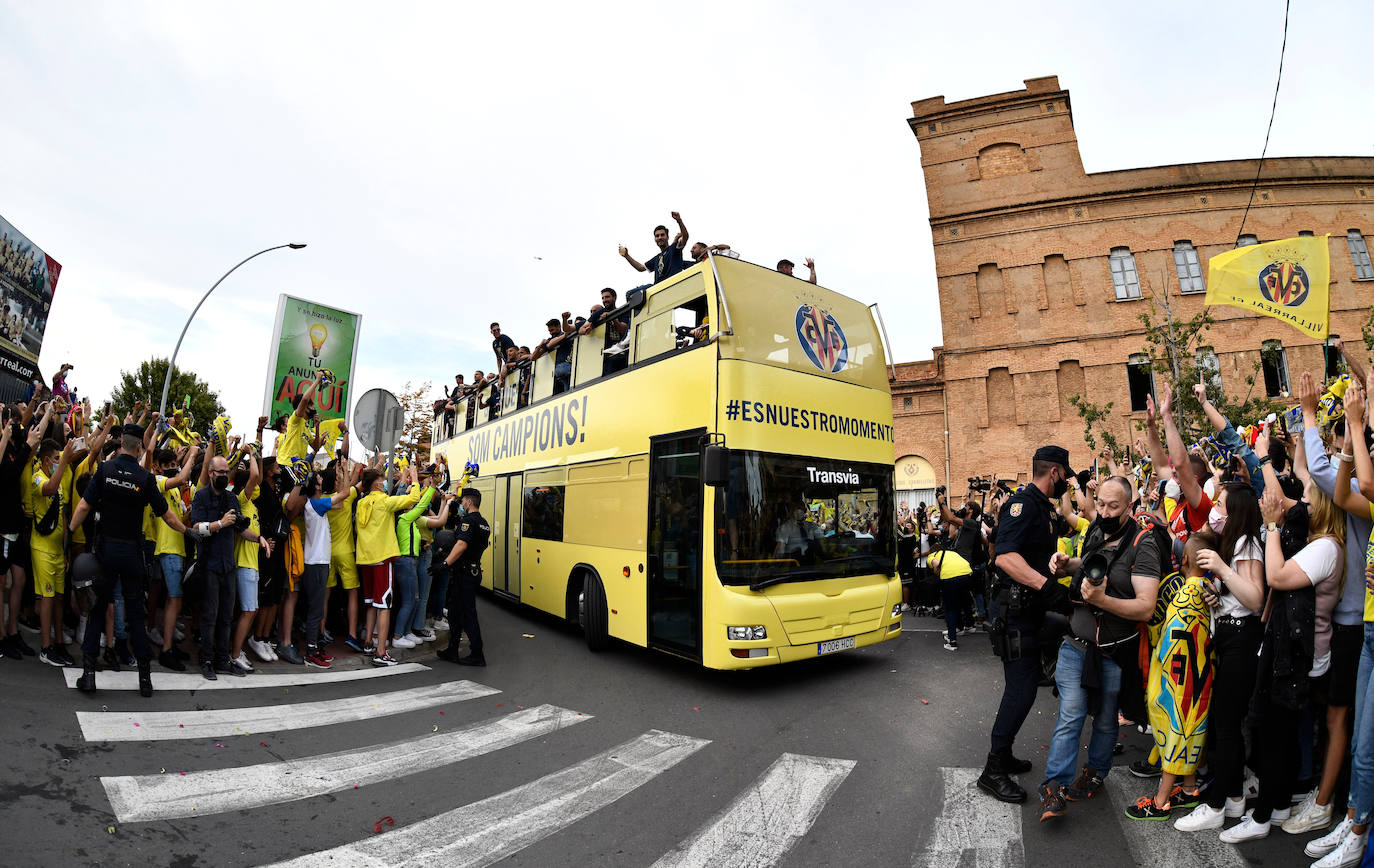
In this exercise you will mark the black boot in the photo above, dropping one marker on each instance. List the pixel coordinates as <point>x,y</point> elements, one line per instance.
<point>1017,766</point>
<point>86,683</point>
<point>997,782</point>
<point>145,678</point>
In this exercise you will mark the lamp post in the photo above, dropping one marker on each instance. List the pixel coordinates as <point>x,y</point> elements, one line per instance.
<point>167,380</point>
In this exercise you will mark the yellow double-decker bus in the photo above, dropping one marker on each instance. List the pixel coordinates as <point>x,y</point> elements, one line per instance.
<point>716,484</point>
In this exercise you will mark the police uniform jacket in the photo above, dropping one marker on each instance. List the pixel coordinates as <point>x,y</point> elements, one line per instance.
<point>1026,526</point>
<point>473,530</point>
<point>119,490</point>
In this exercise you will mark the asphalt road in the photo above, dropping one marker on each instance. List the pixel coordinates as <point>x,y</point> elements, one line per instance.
<point>863,758</point>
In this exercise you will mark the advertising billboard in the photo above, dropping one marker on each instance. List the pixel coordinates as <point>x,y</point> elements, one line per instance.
<point>28,279</point>
<point>310,337</point>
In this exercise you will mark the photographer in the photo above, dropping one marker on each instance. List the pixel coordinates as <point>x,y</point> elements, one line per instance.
<point>1026,589</point>
<point>214,512</point>
<point>1113,590</point>
<point>970,541</point>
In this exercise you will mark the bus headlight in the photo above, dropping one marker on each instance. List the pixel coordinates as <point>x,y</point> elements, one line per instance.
<point>897,611</point>
<point>745,634</point>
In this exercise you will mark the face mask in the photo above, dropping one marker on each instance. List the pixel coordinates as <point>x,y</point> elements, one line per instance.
<point>1109,524</point>
<point>220,483</point>
<point>1060,486</point>
<point>462,510</point>
<point>1216,520</point>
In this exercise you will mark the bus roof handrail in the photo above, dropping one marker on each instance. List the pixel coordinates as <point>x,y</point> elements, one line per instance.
<point>724,304</point>
<point>887,345</point>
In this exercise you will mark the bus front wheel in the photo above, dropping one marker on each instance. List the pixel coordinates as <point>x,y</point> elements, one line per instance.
<point>594,626</point>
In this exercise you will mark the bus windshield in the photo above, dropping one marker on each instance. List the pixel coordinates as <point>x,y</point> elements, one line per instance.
<point>785,518</point>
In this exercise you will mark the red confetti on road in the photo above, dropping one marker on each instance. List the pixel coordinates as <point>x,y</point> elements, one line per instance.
<point>925,702</point>
<point>377,827</point>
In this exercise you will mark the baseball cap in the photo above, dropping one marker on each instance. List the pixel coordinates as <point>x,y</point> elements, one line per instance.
<point>131,430</point>
<point>1055,455</point>
<point>789,263</point>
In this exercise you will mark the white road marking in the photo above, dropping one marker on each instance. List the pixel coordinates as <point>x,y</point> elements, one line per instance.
<point>766,820</point>
<point>193,680</point>
<point>1157,842</point>
<point>168,725</point>
<point>973,823</point>
<point>171,796</point>
<point>488,831</point>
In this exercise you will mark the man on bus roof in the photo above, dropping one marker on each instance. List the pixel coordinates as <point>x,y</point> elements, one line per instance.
<point>668,260</point>
<point>786,265</point>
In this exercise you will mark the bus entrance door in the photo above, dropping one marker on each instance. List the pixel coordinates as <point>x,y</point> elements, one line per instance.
<point>505,535</point>
<point>674,556</point>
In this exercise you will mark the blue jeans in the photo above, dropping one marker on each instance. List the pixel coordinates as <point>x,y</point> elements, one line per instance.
<point>422,576</point>
<point>119,631</point>
<point>438,592</point>
<point>173,567</point>
<point>1231,440</point>
<point>1362,735</point>
<point>1060,768</point>
<point>403,579</point>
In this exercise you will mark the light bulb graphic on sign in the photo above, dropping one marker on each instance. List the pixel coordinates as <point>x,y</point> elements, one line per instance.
<point>318,333</point>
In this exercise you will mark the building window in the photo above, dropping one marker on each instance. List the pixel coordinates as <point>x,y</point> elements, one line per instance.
<point>1359,253</point>
<point>1125,280</point>
<point>1189,268</point>
<point>1274,361</point>
<point>1304,233</point>
<point>1209,367</point>
<point>1247,241</point>
<point>906,403</point>
<point>1333,357</point>
<point>1140,379</point>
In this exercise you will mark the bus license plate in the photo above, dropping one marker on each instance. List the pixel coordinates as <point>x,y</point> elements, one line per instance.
<point>835,645</point>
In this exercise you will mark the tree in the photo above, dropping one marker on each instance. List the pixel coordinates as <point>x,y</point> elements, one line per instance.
<point>418,407</point>
<point>145,384</point>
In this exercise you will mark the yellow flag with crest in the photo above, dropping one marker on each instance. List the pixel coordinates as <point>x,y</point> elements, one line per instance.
<point>1288,279</point>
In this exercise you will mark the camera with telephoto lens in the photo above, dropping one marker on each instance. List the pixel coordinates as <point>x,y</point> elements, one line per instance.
<point>1095,568</point>
<point>939,490</point>
<point>977,484</point>
<point>241,523</point>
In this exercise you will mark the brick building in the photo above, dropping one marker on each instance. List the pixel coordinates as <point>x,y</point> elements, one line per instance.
<point>1043,271</point>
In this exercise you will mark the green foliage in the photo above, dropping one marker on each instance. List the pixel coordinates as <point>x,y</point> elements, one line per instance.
<point>1095,419</point>
<point>145,384</point>
<point>1367,331</point>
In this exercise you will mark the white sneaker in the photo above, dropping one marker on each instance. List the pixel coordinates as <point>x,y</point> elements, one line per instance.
<point>242,660</point>
<point>1349,852</point>
<point>262,650</point>
<point>1246,830</point>
<point>1308,818</point>
<point>180,633</point>
<point>155,637</point>
<point>417,638</point>
<point>1280,815</point>
<point>401,642</point>
<point>425,635</point>
<point>66,636</point>
<point>440,624</point>
<point>1201,819</point>
<point>1331,840</point>
<point>1235,807</point>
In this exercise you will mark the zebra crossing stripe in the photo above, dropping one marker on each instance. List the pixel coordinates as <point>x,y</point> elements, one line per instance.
<point>170,796</point>
<point>1159,843</point>
<point>973,828</point>
<point>169,725</point>
<point>488,831</point>
<point>766,820</point>
<point>193,680</point>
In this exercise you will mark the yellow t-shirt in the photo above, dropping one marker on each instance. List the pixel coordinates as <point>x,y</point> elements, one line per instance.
<point>341,527</point>
<point>26,491</point>
<point>246,551</point>
<point>169,542</point>
<point>295,443</point>
<point>52,543</point>
<point>1369,574</point>
<point>953,565</point>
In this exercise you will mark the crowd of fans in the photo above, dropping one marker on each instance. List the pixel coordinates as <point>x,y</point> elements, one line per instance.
<point>265,543</point>
<point>482,399</point>
<point>1219,597</point>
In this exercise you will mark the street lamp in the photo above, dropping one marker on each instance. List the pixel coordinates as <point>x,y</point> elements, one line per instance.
<point>167,380</point>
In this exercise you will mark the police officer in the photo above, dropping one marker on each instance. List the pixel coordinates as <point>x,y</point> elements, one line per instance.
<point>1026,590</point>
<point>118,491</point>
<point>465,559</point>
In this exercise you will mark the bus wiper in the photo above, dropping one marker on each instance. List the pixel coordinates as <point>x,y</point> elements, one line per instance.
<point>788,577</point>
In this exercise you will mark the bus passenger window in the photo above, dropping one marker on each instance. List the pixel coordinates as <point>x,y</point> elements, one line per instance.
<point>543,512</point>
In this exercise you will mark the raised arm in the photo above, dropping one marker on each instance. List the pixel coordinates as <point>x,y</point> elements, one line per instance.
<point>1356,445</point>
<point>634,263</point>
<point>811,266</point>
<point>1357,371</point>
<point>682,235</point>
<point>1178,453</point>
<point>1213,414</point>
<point>1158,457</point>
<point>946,515</point>
<point>303,409</point>
<point>204,478</point>
<point>185,475</point>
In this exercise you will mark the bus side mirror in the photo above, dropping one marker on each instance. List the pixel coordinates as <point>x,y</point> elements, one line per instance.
<point>715,465</point>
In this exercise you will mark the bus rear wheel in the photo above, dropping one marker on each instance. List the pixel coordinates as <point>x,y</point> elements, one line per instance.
<point>593,613</point>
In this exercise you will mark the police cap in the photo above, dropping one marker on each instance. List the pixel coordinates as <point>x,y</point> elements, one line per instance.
<point>131,430</point>
<point>1055,455</point>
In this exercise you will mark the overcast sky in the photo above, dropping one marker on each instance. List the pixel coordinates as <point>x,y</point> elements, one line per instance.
<point>450,164</point>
